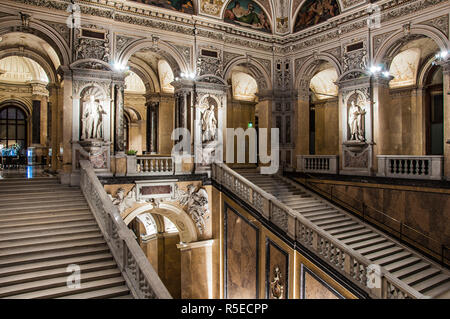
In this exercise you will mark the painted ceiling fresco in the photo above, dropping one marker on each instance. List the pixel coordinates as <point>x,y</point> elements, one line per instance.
<point>247,13</point>
<point>185,6</point>
<point>313,12</point>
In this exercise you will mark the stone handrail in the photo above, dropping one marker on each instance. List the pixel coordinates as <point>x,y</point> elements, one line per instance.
<point>410,166</point>
<point>338,255</point>
<point>318,164</point>
<point>150,165</point>
<point>140,276</point>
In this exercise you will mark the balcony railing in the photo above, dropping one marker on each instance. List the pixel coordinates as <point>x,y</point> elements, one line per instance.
<point>150,165</point>
<point>342,258</point>
<point>414,167</point>
<point>139,274</point>
<point>327,164</point>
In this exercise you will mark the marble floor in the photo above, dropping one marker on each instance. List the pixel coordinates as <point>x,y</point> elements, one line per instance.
<point>23,172</point>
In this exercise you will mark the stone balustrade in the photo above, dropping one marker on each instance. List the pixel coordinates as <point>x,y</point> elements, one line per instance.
<point>150,165</point>
<point>342,258</point>
<point>138,273</point>
<point>328,164</point>
<point>408,166</point>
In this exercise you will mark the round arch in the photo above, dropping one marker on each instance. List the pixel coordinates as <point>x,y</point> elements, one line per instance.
<point>309,66</point>
<point>42,31</point>
<point>36,57</point>
<point>146,74</point>
<point>173,57</point>
<point>389,46</point>
<point>255,68</point>
<point>184,224</point>
<point>25,107</point>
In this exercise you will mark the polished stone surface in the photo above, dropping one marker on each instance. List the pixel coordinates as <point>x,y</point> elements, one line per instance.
<point>24,172</point>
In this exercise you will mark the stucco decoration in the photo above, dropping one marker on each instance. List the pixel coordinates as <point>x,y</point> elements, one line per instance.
<point>245,86</point>
<point>134,84</point>
<point>21,69</point>
<point>323,84</point>
<point>247,13</point>
<point>404,68</point>
<point>211,7</point>
<point>165,76</point>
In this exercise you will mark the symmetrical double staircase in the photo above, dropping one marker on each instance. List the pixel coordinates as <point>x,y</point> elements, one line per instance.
<point>419,273</point>
<point>44,228</point>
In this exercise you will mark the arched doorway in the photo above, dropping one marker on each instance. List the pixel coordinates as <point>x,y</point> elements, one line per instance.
<point>13,127</point>
<point>434,112</point>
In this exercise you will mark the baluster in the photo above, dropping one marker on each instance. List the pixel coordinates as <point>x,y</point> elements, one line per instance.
<point>420,170</point>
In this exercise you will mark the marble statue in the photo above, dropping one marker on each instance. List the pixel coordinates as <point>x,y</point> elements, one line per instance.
<point>209,125</point>
<point>123,202</point>
<point>196,203</point>
<point>92,121</point>
<point>355,116</point>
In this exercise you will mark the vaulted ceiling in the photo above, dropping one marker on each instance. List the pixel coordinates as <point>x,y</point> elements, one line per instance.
<point>273,16</point>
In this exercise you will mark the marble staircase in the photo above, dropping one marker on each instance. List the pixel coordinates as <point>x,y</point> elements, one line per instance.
<point>44,228</point>
<point>413,269</point>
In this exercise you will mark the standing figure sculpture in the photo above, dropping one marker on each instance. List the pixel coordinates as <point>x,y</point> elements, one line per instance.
<point>209,124</point>
<point>355,122</point>
<point>92,120</point>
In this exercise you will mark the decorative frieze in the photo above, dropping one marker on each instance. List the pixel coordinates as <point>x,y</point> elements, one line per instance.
<point>440,23</point>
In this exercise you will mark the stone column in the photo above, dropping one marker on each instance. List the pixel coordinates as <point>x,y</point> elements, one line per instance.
<point>302,116</point>
<point>119,145</point>
<point>66,108</point>
<point>197,276</point>
<point>446,82</point>
<point>152,126</point>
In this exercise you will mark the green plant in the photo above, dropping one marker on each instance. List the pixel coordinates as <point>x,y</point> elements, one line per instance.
<point>131,152</point>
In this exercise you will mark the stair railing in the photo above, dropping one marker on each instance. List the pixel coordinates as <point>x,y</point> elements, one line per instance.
<point>395,227</point>
<point>342,258</point>
<point>139,274</point>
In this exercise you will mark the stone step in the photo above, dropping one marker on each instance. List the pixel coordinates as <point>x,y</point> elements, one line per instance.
<point>360,238</point>
<point>367,243</point>
<point>53,246</point>
<point>46,240</point>
<point>48,233</point>
<point>26,186</point>
<point>52,255</point>
<point>324,217</point>
<point>436,292</point>
<point>401,256</point>
<point>352,234</point>
<point>49,222</point>
<point>46,207</point>
<point>25,196</point>
<point>411,270</point>
<point>54,273</point>
<point>333,221</point>
<point>347,229</point>
<point>57,287</point>
<point>39,216</point>
<point>321,213</point>
<point>340,225</point>
<point>401,264</point>
<point>14,190</point>
<point>42,229</point>
<point>383,253</point>
<point>431,283</point>
<point>306,206</point>
<point>420,276</point>
<point>119,292</point>
<point>39,201</point>
<point>51,264</point>
<point>375,248</point>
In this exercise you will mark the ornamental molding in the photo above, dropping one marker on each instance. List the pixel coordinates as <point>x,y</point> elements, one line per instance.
<point>440,23</point>
<point>153,17</point>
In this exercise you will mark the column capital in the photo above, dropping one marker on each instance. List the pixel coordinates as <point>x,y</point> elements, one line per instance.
<point>445,64</point>
<point>381,80</point>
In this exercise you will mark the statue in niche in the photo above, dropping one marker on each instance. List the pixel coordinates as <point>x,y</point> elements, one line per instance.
<point>277,288</point>
<point>209,124</point>
<point>356,113</point>
<point>92,120</point>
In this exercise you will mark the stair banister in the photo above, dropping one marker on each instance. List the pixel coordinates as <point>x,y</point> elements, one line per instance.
<point>320,242</point>
<point>139,274</point>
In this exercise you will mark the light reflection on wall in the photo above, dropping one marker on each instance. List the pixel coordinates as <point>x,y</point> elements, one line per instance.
<point>404,68</point>
<point>323,82</point>
<point>244,86</point>
<point>165,76</point>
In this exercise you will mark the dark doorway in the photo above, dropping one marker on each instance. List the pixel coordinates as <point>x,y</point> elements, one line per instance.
<point>434,113</point>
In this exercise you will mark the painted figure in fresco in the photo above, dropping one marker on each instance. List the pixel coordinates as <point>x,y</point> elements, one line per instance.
<point>92,122</point>
<point>314,12</point>
<point>185,6</point>
<point>253,16</point>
